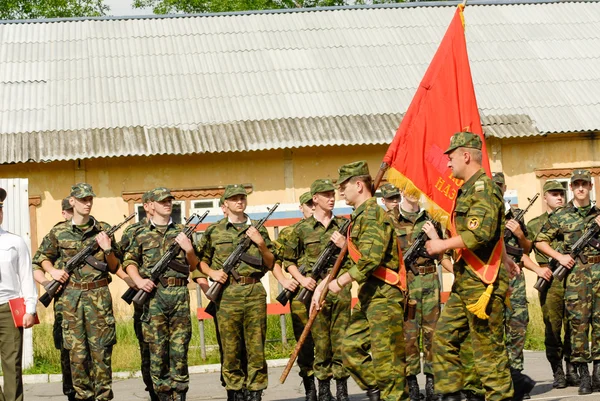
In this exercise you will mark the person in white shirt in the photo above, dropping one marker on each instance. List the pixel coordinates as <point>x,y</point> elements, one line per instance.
<point>16,280</point>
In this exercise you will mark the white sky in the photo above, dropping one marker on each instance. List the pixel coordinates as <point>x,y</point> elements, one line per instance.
<point>123,7</point>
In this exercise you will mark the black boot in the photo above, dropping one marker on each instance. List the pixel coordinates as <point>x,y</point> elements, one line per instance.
<point>164,396</point>
<point>179,396</point>
<point>596,377</point>
<point>230,395</point>
<point>341,390</point>
<point>255,395</point>
<point>429,396</point>
<point>71,397</point>
<point>373,394</point>
<point>239,395</point>
<point>309,388</point>
<point>585,387</point>
<point>523,384</point>
<point>325,391</point>
<point>413,388</point>
<point>472,396</point>
<point>572,376</point>
<point>451,397</point>
<point>560,380</point>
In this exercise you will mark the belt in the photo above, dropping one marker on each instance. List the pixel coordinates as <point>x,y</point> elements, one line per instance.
<point>427,269</point>
<point>594,259</point>
<point>244,281</point>
<point>89,286</point>
<point>173,282</point>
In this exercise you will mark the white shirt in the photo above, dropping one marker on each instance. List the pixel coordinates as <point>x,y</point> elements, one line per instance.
<point>16,272</point>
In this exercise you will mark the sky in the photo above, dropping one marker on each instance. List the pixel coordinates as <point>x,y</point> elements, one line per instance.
<point>123,7</point>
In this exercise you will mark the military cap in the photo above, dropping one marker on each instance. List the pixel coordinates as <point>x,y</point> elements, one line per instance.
<point>464,140</point>
<point>553,186</point>
<point>388,190</point>
<point>2,196</point>
<point>146,197</point>
<point>305,198</point>
<point>234,189</point>
<point>581,175</point>
<point>321,185</point>
<point>498,178</point>
<point>82,190</point>
<point>350,170</point>
<point>65,204</point>
<point>159,194</point>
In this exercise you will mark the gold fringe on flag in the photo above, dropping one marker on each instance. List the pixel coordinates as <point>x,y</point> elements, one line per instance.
<point>478,308</point>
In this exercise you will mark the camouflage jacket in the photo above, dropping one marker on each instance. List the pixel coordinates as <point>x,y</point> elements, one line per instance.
<point>148,246</point>
<point>408,231</point>
<point>220,240</point>
<point>533,228</point>
<point>130,233</point>
<point>372,232</point>
<point>280,243</point>
<point>567,225</point>
<point>308,240</point>
<point>65,240</point>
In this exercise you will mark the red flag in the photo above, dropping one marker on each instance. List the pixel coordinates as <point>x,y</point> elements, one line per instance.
<point>443,105</point>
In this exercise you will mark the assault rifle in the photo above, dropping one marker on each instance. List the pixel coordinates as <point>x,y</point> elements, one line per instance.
<point>559,271</point>
<point>319,269</point>
<point>86,255</point>
<point>167,260</point>
<point>236,257</point>
<point>417,249</point>
<point>512,250</point>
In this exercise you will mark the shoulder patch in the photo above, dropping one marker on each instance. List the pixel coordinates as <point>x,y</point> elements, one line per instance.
<point>473,223</point>
<point>479,186</point>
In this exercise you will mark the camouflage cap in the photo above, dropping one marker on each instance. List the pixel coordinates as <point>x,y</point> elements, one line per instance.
<point>234,189</point>
<point>498,178</point>
<point>464,140</point>
<point>553,186</point>
<point>2,196</point>
<point>388,190</point>
<point>305,198</point>
<point>146,197</point>
<point>321,185</point>
<point>159,194</point>
<point>581,175</point>
<point>65,204</point>
<point>350,170</point>
<point>82,190</point>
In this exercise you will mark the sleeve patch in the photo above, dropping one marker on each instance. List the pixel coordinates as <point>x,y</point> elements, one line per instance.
<point>479,186</point>
<point>473,223</point>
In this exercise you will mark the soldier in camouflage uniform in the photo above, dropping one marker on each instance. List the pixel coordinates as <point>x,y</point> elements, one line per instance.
<point>303,247</point>
<point>478,223</point>
<point>40,278</point>
<point>241,309</point>
<point>166,321</point>
<point>88,326</point>
<point>582,301</point>
<point>552,300</point>
<point>298,310</point>
<point>373,347</point>
<point>409,221</point>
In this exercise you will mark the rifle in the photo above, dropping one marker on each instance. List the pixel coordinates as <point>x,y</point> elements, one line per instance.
<point>515,251</point>
<point>236,257</point>
<point>318,270</point>
<point>559,271</point>
<point>286,295</point>
<point>167,260</point>
<point>86,255</point>
<point>417,249</point>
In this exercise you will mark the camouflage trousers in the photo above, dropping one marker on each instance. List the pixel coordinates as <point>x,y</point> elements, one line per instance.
<point>306,356</point>
<point>582,303</point>
<point>454,329</point>
<point>89,334</point>
<point>65,363</point>
<point>167,328</point>
<point>425,289</point>
<point>516,321</point>
<point>242,317</point>
<point>144,347</point>
<point>373,349</point>
<point>553,311</point>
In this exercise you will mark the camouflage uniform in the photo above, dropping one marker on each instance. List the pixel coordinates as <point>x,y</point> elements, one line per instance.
<point>166,320</point>
<point>373,348</point>
<point>88,326</point>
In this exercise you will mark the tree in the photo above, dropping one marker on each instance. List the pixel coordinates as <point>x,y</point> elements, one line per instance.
<point>32,9</point>
<point>215,6</point>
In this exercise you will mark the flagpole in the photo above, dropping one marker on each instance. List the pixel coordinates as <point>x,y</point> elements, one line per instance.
<point>382,169</point>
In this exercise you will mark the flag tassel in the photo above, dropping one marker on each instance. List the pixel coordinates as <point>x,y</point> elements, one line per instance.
<point>478,308</point>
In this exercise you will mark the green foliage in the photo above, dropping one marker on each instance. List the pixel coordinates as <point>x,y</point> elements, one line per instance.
<point>32,9</point>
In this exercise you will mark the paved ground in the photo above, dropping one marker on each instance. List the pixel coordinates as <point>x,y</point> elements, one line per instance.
<point>206,386</point>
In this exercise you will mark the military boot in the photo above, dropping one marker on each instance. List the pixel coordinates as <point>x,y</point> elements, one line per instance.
<point>309,388</point>
<point>179,396</point>
<point>451,397</point>
<point>153,396</point>
<point>413,388</point>
<point>239,395</point>
<point>585,386</point>
<point>560,380</point>
<point>523,384</point>
<point>255,395</point>
<point>373,394</point>
<point>472,396</point>
<point>596,376</point>
<point>164,396</point>
<point>429,396</point>
<point>325,391</point>
<point>341,389</point>
<point>572,376</point>
<point>230,395</point>
<point>71,397</point>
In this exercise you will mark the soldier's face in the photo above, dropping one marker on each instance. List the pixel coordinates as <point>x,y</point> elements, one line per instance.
<point>162,208</point>
<point>391,202</point>
<point>554,199</point>
<point>349,191</point>
<point>581,189</point>
<point>237,203</point>
<point>307,209</point>
<point>324,200</point>
<point>82,206</point>
<point>457,162</point>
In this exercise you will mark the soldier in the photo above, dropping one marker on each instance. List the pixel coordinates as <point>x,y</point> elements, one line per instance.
<point>373,347</point>
<point>88,326</point>
<point>241,310</point>
<point>40,278</point>
<point>298,310</point>
<point>166,322</point>
<point>475,308</point>
<point>390,196</point>
<point>306,242</point>
<point>409,221</point>
<point>552,300</point>
<point>583,282</point>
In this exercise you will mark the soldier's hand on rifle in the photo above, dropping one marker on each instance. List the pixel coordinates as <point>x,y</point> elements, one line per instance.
<point>289,284</point>
<point>103,241</point>
<point>429,229</point>
<point>59,275</point>
<point>338,239</point>
<point>130,282</point>
<point>566,261</point>
<point>145,284</point>
<point>184,242</point>
<point>308,282</point>
<point>255,236</point>
<point>514,227</point>
<point>544,273</point>
<point>218,276</point>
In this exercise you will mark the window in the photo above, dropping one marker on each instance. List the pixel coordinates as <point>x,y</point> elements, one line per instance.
<point>201,206</point>
<point>177,215</point>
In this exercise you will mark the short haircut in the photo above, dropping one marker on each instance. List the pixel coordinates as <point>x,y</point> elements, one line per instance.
<point>476,154</point>
<point>366,180</point>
